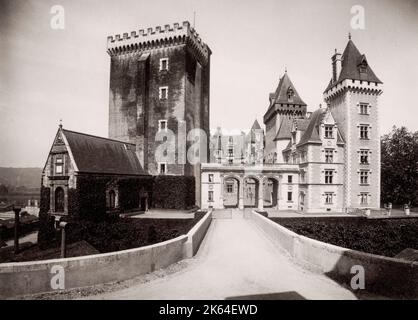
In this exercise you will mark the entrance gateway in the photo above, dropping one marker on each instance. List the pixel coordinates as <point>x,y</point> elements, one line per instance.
<point>243,186</point>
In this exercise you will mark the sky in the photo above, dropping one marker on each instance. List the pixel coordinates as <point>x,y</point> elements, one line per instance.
<point>50,74</point>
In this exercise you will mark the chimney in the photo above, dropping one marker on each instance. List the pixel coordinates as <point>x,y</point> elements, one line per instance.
<point>336,66</point>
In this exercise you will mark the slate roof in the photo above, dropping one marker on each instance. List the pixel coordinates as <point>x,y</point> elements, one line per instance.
<point>351,60</point>
<point>311,134</point>
<point>280,95</point>
<point>284,130</point>
<point>256,125</point>
<point>302,124</point>
<point>251,134</point>
<point>99,155</point>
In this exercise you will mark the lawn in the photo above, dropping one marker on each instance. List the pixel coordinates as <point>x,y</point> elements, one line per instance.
<point>386,237</point>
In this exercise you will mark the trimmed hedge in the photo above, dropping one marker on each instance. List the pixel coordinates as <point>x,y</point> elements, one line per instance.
<point>174,192</point>
<point>88,201</point>
<point>129,191</point>
<point>46,231</point>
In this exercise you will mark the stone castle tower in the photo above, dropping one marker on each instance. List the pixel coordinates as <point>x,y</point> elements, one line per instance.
<point>352,96</point>
<point>285,103</point>
<point>159,80</point>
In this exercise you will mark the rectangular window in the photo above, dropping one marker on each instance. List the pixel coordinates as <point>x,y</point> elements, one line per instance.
<point>164,64</point>
<point>59,165</point>
<point>329,197</point>
<point>364,177</point>
<point>289,196</point>
<point>162,168</point>
<point>162,125</point>
<point>329,155</point>
<point>329,131</point>
<point>289,179</point>
<point>364,131</point>
<point>364,198</point>
<point>302,177</point>
<point>230,152</point>
<point>329,174</point>
<point>163,94</point>
<point>364,156</point>
<point>230,161</point>
<point>210,177</point>
<point>229,188</point>
<point>210,196</point>
<point>364,108</point>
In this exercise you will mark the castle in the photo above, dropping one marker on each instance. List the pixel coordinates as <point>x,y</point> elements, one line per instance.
<point>159,93</point>
<point>327,160</point>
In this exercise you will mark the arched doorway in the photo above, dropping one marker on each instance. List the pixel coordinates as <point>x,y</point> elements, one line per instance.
<point>59,199</point>
<point>112,199</point>
<point>271,191</point>
<point>251,192</point>
<point>231,191</point>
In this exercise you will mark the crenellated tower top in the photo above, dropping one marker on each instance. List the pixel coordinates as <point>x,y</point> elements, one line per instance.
<point>147,39</point>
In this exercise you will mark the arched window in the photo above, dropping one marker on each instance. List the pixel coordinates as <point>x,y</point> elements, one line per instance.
<point>59,199</point>
<point>112,199</point>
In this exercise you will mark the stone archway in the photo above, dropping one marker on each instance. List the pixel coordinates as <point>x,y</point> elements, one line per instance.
<point>251,192</point>
<point>271,192</point>
<point>231,192</point>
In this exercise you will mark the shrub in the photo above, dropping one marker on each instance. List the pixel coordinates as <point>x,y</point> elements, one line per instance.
<point>129,189</point>
<point>174,192</point>
<point>89,200</point>
<point>46,233</point>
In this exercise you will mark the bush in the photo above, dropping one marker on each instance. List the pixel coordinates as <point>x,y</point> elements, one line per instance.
<point>385,237</point>
<point>129,190</point>
<point>128,233</point>
<point>174,192</point>
<point>46,233</point>
<point>88,201</point>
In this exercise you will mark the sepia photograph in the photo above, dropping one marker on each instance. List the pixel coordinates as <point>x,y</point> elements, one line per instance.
<point>208,155</point>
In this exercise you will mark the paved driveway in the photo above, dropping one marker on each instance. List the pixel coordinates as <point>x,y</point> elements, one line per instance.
<point>235,260</point>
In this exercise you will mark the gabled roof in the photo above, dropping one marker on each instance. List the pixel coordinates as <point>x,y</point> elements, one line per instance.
<point>284,130</point>
<point>281,93</point>
<point>352,59</point>
<point>311,134</point>
<point>99,155</point>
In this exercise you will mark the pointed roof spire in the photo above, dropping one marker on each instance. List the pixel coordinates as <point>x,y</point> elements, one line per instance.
<point>354,66</point>
<point>284,89</point>
<point>349,36</point>
<point>256,125</point>
<point>60,125</point>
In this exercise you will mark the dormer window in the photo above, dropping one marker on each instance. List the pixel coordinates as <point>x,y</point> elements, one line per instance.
<point>328,131</point>
<point>363,65</point>
<point>290,93</point>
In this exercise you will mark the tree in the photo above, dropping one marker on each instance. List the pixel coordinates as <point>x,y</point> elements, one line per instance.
<point>399,165</point>
<point>3,190</point>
